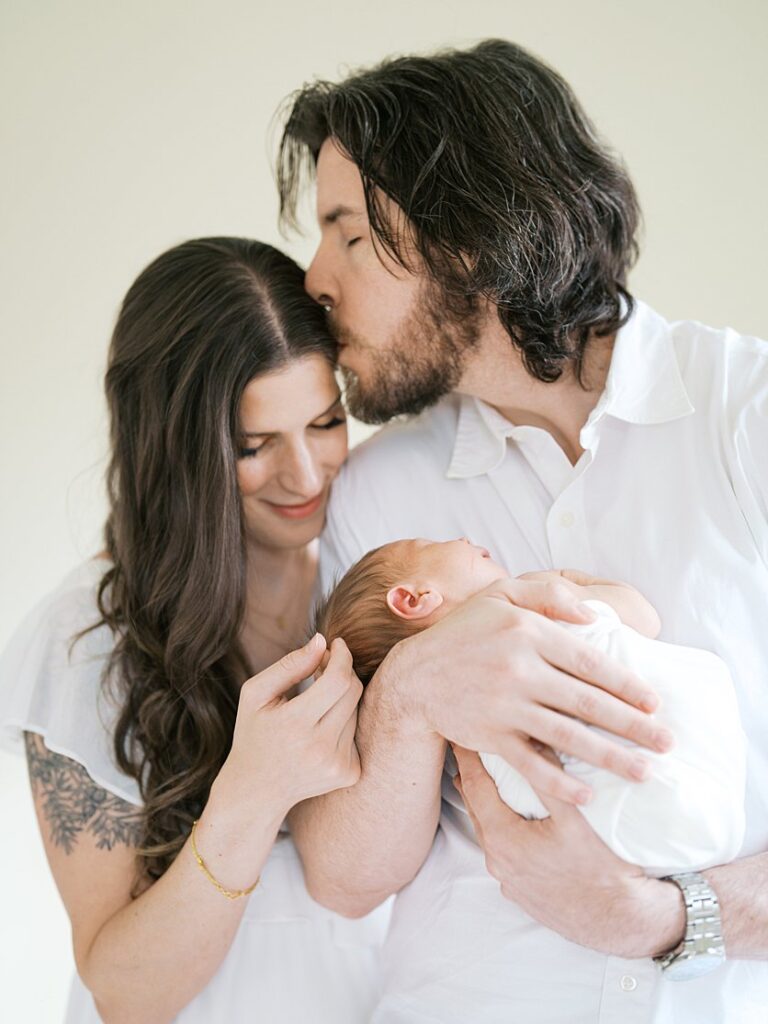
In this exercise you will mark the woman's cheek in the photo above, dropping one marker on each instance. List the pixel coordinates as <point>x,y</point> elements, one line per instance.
<point>338,449</point>
<point>251,476</point>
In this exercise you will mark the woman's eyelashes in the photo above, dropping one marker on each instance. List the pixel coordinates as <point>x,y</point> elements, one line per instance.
<point>248,453</point>
<point>336,421</point>
<point>353,241</point>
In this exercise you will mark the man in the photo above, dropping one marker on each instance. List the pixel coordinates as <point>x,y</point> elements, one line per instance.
<point>476,237</point>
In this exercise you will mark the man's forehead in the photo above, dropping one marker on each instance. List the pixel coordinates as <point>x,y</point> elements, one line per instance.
<point>339,185</point>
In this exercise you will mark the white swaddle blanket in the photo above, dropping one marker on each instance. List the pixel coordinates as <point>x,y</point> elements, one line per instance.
<point>689,815</point>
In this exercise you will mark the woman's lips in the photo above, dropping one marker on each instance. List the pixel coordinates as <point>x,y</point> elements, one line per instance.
<point>298,511</point>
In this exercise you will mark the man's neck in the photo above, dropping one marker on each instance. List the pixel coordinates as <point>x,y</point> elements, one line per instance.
<point>497,375</point>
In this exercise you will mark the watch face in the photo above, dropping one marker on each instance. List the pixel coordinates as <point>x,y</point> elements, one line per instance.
<point>685,969</point>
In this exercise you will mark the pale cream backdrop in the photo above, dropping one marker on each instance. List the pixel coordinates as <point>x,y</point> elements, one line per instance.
<point>127,128</point>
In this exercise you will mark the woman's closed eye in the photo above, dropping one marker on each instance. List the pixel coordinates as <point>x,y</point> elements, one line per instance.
<point>336,421</point>
<point>353,241</point>
<point>252,450</point>
<point>248,453</point>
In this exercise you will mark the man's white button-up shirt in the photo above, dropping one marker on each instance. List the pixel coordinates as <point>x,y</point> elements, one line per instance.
<point>670,495</point>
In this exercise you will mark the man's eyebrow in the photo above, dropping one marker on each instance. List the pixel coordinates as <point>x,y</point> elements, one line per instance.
<point>337,213</point>
<point>325,412</point>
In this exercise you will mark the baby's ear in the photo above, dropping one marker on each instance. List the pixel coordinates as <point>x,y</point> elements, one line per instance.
<point>408,602</point>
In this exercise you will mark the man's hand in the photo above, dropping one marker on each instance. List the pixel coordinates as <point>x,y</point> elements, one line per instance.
<point>565,877</point>
<point>493,676</point>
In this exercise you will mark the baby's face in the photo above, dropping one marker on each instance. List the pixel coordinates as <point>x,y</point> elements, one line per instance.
<point>456,569</point>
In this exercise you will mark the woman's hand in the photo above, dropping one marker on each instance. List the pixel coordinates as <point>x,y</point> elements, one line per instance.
<point>287,750</point>
<point>564,876</point>
<point>493,676</point>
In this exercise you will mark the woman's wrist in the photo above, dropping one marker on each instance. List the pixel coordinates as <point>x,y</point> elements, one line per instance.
<point>233,837</point>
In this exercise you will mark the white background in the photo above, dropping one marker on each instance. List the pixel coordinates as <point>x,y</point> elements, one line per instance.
<point>127,128</point>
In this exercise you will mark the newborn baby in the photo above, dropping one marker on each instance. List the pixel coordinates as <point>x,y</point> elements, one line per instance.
<point>689,815</point>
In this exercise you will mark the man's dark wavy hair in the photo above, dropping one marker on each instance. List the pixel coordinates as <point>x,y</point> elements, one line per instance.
<point>510,193</point>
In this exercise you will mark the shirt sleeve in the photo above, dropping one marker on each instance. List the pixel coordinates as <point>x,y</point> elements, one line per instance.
<point>51,683</point>
<point>749,454</point>
<point>340,545</point>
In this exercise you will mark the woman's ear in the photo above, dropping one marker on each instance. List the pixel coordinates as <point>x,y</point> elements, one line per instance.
<point>408,602</point>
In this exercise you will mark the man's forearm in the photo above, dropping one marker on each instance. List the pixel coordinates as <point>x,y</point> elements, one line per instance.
<point>360,845</point>
<point>742,889</point>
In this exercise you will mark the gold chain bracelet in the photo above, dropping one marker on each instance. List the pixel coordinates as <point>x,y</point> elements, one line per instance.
<point>231,894</point>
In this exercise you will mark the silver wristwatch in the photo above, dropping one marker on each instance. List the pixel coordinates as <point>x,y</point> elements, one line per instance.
<point>702,948</point>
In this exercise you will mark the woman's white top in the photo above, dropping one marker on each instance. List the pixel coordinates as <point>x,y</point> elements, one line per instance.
<point>291,961</point>
<point>689,815</point>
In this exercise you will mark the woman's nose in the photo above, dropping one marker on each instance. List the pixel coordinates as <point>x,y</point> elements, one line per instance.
<point>301,473</point>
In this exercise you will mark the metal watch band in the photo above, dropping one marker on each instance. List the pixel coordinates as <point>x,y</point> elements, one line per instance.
<point>702,948</point>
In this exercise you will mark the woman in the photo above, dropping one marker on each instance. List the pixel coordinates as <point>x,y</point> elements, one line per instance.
<point>161,779</point>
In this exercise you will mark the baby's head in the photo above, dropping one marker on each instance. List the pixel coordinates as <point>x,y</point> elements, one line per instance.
<point>400,589</point>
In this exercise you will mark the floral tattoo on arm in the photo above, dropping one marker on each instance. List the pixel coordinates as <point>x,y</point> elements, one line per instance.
<point>73,803</point>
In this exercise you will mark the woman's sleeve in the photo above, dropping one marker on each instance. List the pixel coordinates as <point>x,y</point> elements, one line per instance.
<point>51,683</point>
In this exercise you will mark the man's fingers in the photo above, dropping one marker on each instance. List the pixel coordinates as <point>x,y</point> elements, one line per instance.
<point>569,736</point>
<point>545,775</point>
<point>576,657</point>
<point>472,787</point>
<point>469,764</point>
<point>478,790</point>
<point>558,807</point>
<point>550,598</point>
<point>594,706</point>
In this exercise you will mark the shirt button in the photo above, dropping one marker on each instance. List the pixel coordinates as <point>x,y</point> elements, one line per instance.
<point>566,519</point>
<point>628,983</point>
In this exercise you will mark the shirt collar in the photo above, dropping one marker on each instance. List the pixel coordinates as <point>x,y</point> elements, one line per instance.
<point>644,386</point>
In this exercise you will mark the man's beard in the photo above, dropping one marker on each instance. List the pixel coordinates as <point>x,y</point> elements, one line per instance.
<point>424,361</point>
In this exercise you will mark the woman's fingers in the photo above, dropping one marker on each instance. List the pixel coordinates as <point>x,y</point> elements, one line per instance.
<point>578,658</point>
<point>345,709</point>
<point>346,741</point>
<point>336,682</point>
<point>291,669</point>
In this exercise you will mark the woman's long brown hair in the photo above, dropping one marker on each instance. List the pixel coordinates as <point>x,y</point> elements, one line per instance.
<point>197,325</point>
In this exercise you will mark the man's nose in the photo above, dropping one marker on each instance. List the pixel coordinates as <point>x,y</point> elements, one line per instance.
<point>319,282</point>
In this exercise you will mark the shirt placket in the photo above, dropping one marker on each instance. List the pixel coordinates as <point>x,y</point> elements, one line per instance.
<point>567,533</point>
<point>630,991</point>
<point>630,987</point>
<point>566,526</point>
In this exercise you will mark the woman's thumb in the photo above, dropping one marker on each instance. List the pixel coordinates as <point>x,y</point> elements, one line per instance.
<point>291,669</point>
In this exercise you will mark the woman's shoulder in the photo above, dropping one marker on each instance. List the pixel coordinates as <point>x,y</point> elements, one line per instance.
<point>52,679</point>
